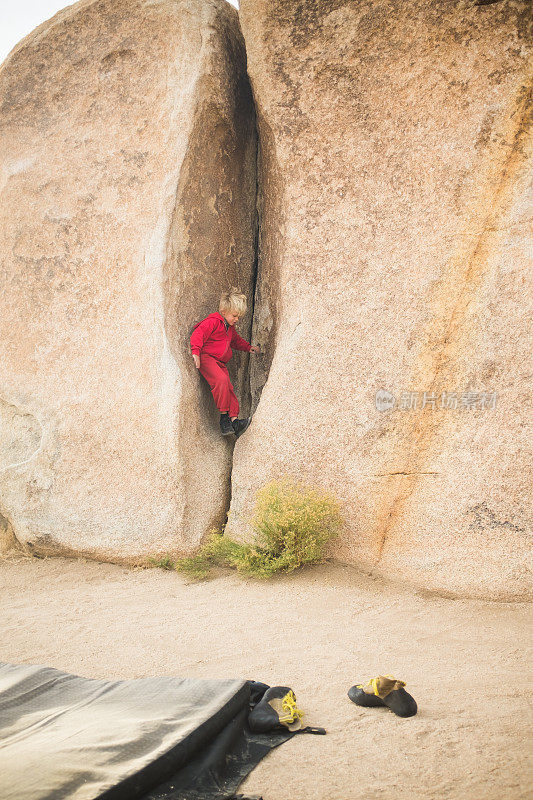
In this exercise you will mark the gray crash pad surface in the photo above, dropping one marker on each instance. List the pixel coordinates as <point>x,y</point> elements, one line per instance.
<point>63,736</point>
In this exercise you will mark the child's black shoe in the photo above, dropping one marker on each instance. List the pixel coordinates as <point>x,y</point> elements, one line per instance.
<point>225,425</point>
<point>240,425</point>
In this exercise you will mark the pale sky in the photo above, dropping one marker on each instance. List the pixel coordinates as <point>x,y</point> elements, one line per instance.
<point>20,17</point>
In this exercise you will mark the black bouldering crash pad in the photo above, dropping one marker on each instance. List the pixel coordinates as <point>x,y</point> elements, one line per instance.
<point>163,738</point>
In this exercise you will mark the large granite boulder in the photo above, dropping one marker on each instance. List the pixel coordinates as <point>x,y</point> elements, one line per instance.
<point>127,180</point>
<point>395,154</point>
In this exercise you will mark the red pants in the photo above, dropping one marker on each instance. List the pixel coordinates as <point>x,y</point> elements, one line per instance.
<point>216,374</point>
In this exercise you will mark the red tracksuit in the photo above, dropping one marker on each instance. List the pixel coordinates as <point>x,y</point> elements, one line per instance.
<point>213,343</point>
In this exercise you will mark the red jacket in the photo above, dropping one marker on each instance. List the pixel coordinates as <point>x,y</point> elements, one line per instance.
<point>211,338</point>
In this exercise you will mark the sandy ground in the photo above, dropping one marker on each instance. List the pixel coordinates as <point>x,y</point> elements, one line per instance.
<point>464,661</point>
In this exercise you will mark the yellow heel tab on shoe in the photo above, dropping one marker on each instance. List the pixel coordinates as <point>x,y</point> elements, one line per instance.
<point>381,686</point>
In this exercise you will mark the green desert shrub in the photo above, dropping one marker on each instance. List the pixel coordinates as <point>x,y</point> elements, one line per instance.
<point>163,563</point>
<point>218,550</point>
<point>292,525</point>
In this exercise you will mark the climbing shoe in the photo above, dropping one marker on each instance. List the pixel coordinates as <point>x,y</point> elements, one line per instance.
<point>384,690</point>
<point>257,690</point>
<point>225,425</point>
<point>240,425</point>
<point>277,708</point>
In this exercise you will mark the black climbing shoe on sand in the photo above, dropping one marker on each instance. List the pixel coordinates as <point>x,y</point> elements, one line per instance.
<point>361,698</point>
<point>384,691</point>
<point>225,425</point>
<point>276,709</point>
<point>240,425</point>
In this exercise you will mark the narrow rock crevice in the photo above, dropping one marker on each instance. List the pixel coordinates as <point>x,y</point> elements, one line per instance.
<point>266,289</point>
<point>249,399</point>
<point>251,391</point>
<point>268,243</point>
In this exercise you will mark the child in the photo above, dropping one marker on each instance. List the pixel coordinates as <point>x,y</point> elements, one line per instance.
<point>211,345</point>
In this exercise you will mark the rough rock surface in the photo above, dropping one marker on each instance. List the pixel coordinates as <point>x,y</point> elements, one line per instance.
<point>393,256</point>
<point>127,158</point>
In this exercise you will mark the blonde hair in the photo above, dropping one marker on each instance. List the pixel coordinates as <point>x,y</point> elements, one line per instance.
<point>233,301</point>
